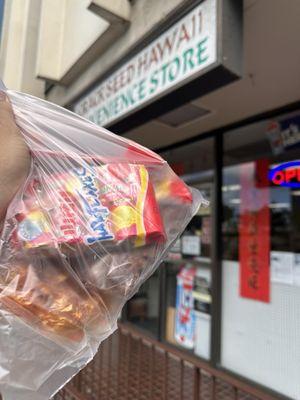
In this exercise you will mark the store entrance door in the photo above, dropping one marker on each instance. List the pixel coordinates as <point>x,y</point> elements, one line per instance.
<point>188,278</point>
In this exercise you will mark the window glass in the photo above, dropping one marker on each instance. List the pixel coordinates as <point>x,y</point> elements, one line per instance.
<point>188,267</point>
<point>197,157</point>
<point>261,228</point>
<point>143,308</point>
<point>194,162</point>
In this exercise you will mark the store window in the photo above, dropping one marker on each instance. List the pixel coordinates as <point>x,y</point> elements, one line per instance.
<point>143,309</point>
<point>187,319</point>
<point>261,250</point>
<point>166,313</point>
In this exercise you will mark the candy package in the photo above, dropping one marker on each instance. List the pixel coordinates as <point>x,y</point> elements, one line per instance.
<point>95,217</point>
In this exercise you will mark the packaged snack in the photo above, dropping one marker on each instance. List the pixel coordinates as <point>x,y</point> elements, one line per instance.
<point>95,217</point>
<point>34,228</point>
<point>49,298</point>
<point>91,204</point>
<point>127,192</point>
<point>175,188</point>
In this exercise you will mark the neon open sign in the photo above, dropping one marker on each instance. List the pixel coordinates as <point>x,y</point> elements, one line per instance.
<point>286,174</point>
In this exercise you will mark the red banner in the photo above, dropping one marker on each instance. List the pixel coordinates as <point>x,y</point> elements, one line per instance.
<point>254,232</point>
<point>262,173</point>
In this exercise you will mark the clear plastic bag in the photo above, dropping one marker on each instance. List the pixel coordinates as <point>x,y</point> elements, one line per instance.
<point>95,217</point>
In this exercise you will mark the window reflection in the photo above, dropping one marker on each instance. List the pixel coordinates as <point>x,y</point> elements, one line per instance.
<point>261,256</point>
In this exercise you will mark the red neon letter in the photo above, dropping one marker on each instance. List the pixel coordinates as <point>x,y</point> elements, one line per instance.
<point>290,174</point>
<point>278,178</point>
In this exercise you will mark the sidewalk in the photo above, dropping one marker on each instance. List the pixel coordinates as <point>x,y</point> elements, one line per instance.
<point>131,366</point>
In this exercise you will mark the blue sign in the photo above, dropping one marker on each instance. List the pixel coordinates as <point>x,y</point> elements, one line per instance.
<point>286,174</point>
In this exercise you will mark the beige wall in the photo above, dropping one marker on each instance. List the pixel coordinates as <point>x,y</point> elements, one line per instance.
<point>72,42</point>
<point>67,30</point>
<point>19,46</point>
<point>84,22</point>
<point>146,15</point>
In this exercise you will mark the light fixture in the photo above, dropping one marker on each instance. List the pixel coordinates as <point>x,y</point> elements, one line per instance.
<point>280,205</point>
<point>235,201</point>
<point>227,188</point>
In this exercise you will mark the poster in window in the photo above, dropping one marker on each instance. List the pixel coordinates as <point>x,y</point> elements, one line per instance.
<point>191,245</point>
<point>296,271</point>
<point>185,316</point>
<point>254,232</point>
<point>282,267</point>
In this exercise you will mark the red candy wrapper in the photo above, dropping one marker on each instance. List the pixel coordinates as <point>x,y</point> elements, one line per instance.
<point>95,217</point>
<point>91,204</point>
<point>176,188</point>
<point>128,193</point>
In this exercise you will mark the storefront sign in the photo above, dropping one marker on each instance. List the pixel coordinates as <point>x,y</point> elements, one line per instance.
<point>284,134</point>
<point>286,174</point>
<point>183,52</point>
<point>254,233</point>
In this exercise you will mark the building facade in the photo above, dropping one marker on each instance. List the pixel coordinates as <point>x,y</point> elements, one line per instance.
<point>214,87</point>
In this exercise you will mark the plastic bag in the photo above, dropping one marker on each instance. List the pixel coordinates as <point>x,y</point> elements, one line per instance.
<point>93,220</point>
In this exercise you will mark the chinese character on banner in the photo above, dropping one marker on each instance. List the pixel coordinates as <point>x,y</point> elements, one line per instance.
<point>254,232</point>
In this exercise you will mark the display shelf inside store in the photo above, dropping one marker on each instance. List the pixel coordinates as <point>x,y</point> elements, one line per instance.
<point>198,260</point>
<point>205,260</point>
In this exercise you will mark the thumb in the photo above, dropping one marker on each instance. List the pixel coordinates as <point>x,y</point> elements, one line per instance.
<point>5,106</point>
<point>8,125</point>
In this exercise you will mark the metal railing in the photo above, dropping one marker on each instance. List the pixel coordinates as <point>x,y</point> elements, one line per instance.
<point>132,366</point>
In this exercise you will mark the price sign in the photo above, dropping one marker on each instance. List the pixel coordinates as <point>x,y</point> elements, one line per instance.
<point>191,245</point>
